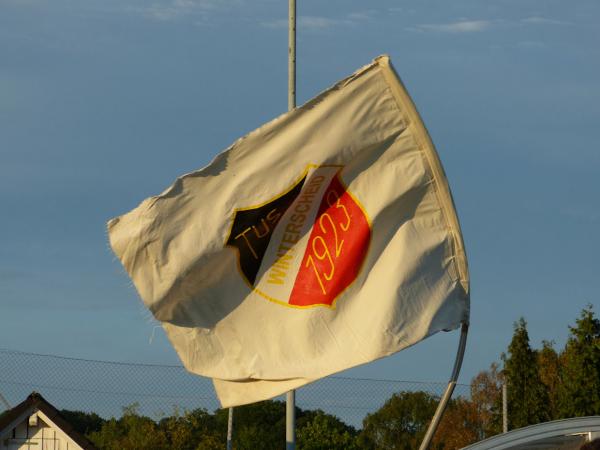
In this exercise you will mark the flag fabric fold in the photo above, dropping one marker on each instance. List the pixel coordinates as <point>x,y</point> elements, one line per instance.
<point>324,239</point>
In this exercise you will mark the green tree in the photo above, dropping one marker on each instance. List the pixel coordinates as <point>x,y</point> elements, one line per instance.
<point>83,422</point>
<point>580,387</point>
<point>549,363</point>
<point>130,432</point>
<point>258,425</point>
<point>262,426</point>
<point>527,395</point>
<point>193,430</point>
<point>400,424</point>
<point>326,432</point>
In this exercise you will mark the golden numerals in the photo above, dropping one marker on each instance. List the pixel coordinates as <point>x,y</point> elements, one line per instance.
<point>319,247</point>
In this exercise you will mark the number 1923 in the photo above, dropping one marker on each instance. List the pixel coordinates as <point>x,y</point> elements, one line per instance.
<point>325,248</point>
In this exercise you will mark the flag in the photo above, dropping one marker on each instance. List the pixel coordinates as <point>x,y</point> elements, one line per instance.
<point>324,239</point>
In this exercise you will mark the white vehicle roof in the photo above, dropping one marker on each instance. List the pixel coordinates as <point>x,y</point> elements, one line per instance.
<point>564,434</point>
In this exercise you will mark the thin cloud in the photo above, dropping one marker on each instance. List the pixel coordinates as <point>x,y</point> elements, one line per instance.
<point>161,12</point>
<point>538,20</point>
<point>321,22</point>
<point>316,22</point>
<point>309,22</point>
<point>401,10</point>
<point>175,9</point>
<point>461,26</point>
<point>277,23</point>
<point>361,15</point>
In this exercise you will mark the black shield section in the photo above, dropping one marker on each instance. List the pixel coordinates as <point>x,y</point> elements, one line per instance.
<point>252,230</point>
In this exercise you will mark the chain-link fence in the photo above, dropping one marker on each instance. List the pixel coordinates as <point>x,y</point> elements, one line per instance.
<point>106,387</point>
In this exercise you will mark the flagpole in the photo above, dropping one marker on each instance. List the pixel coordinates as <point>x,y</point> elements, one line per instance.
<point>230,430</point>
<point>290,404</point>
<point>292,56</point>
<point>437,417</point>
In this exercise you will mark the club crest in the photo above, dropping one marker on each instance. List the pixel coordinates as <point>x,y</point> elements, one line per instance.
<point>307,245</point>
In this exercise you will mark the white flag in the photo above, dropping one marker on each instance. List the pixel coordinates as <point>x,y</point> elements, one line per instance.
<point>325,239</point>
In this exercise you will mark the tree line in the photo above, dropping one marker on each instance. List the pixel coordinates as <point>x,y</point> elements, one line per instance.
<point>542,384</point>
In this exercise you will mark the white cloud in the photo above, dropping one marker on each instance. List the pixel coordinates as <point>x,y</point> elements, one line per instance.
<point>361,15</point>
<point>320,22</point>
<point>401,10</point>
<point>316,22</point>
<point>461,26</point>
<point>538,20</point>
<point>174,9</point>
<point>161,12</point>
<point>309,22</point>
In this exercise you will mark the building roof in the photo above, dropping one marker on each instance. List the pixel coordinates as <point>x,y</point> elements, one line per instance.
<point>35,402</point>
<point>564,434</point>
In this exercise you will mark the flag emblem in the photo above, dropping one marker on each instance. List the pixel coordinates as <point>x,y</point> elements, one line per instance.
<point>306,246</point>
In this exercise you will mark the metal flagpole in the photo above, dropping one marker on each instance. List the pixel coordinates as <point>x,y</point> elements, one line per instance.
<point>230,430</point>
<point>290,404</point>
<point>290,420</point>
<point>437,417</point>
<point>292,56</point>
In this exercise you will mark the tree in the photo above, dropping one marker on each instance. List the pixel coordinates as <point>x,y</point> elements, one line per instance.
<point>549,363</point>
<point>580,388</point>
<point>400,424</point>
<point>82,422</point>
<point>486,396</point>
<point>193,430</point>
<point>258,425</point>
<point>527,395</point>
<point>131,432</point>
<point>326,432</point>
<point>466,421</point>
<point>460,425</point>
<point>262,426</point>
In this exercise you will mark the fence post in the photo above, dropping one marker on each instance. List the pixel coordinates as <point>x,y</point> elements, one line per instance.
<point>504,407</point>
<point>230,429</point>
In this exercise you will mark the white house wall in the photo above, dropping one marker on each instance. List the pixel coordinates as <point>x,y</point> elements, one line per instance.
<point>45,436</point>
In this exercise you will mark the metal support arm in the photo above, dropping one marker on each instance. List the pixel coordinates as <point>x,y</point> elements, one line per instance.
<point>437,417</point>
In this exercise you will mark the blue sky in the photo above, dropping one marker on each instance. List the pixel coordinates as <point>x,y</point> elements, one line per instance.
<point>104,103</point>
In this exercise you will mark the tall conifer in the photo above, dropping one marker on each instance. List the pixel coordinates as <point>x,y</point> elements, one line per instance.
<point>580,387</point>
<point>549,362</point>
<point>527,395</point>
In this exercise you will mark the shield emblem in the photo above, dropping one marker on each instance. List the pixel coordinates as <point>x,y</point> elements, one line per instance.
<point>305,247</point>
